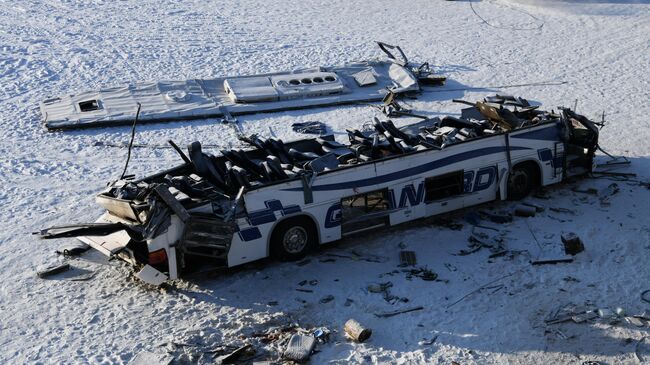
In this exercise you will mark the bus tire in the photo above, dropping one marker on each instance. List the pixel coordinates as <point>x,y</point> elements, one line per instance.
<point>293,238</point>
<point>521,181</point>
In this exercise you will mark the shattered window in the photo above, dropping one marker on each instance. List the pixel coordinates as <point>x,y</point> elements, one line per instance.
<point>364,211</point>
<point>443,186</point>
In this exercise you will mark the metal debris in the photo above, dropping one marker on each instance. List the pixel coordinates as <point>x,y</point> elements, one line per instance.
<point>635,321</point>
<point>571,279</point>
<point>399,311</point>
<point>583,317</point>
<point>52,270</point>
<point>497,218</point>
<point>572,243</point>
<point>233,356</point>
<point>299,347</point>
<point>73,248</point>
<point>326,299</point>
<point>487,285</point>
<point>552,260</point>
<point>384,289</point>
<point>423,273</point>
<point>563,210</point>
<point>355,256</point>
<point>379,288</point>
<point>480,238</point>
<point>322,334</point>
<point>588,312</point>
<point>451,267</point>
<point>644,315</point>
<point>538,208</point>
<point>589,191</point>
<point>426,342</point>
<point>355,331</point>
<point>525,211</point>
<point>407,258</point>
<point>645,296</point>
<point>310,127</point>
<point>572,312</point>
<point>85,275</point>
<point>605,194</point>
<point>151,275</point>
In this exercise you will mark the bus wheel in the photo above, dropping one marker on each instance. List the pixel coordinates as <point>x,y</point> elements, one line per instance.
<point>293,238</point>
<point>520,182</point>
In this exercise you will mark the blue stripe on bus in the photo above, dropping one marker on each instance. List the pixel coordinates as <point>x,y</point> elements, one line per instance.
<point>417,170</point>
<point>267,215</point>
<point>249,234</point>
<point>545,134</point>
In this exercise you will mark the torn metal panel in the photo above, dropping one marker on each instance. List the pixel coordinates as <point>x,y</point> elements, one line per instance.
<point>552,260</point>
<point>399,311</point>
<point>87,229</point>
<point>52,270</point>
<point>163,192</point>
<point>108,245</point>
<point>151,276</point>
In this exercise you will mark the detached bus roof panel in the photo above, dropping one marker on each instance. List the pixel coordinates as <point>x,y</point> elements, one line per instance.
<point>212,98</point>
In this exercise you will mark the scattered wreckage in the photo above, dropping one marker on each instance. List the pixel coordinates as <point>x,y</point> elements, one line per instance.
<point>282,199</point>
<point>224,97</point>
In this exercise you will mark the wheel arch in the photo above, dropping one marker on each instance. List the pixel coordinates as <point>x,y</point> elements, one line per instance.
<point>536,168</point>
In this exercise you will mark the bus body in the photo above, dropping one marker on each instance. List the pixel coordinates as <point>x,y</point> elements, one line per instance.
<point>336,203</point>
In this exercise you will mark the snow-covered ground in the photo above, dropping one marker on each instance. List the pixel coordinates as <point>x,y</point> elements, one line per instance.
<point>599,49</point>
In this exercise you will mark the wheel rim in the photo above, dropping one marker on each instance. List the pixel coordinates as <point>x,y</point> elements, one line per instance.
<point>295,240</point>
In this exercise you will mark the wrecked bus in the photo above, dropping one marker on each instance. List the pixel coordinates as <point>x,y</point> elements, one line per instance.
<point>282,199</point>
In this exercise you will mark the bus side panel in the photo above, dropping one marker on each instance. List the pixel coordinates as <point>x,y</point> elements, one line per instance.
<point>407,198</point>
<point>545,148</point>
<point>242,251</point>
<point>264,208</point>
<point>482,174</point>
<point>328,219</point>
<point>483,163</point>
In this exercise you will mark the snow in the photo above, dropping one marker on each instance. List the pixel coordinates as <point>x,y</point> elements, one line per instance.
<point>599,49</point>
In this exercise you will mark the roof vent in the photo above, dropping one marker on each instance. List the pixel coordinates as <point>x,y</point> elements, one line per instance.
<point>88,105</point>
